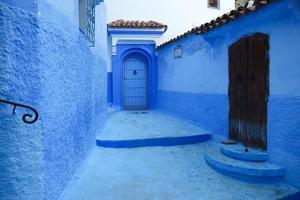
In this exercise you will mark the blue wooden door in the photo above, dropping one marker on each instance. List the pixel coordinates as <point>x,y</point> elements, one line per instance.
<point>135,90</point>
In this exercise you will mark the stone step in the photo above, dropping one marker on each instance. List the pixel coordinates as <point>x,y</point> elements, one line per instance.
<point>237,151</point>
<point>131,129</point>
<point>295,196</point>
<point>150,142</point>
<point>244,170</point>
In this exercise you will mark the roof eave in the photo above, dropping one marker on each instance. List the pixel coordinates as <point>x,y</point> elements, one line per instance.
<point>220,21</point>
<point>118,30</point>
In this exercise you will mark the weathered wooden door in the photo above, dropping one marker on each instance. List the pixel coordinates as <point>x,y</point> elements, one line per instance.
<point>249,90</point>
<point>135,82</point>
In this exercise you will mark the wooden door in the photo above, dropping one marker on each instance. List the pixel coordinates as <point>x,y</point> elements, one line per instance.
<point>135,82</point>
<point>249,90</point>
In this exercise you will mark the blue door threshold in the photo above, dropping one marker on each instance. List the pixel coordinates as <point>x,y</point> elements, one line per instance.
<point>151,142</point>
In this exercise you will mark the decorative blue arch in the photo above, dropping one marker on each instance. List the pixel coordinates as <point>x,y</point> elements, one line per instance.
<point>123,50</point>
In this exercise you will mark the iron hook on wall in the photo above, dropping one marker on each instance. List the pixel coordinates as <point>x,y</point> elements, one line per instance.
<point>27,118</point>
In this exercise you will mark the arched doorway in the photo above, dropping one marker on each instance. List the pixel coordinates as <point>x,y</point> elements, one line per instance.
<point>249,90</point>
<point>135,87</point>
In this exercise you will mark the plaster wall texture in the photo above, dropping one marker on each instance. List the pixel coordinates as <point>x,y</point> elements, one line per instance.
<point>195,86</point>
<point>28,5</point>
<point>178,15</point>
<point>20,144</point>
<point>46,62</point>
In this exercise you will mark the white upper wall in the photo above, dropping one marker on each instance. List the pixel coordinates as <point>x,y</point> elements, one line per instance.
<point>179,15</point>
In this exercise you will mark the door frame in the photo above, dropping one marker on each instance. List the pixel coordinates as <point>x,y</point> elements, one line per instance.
<point>123,99</point>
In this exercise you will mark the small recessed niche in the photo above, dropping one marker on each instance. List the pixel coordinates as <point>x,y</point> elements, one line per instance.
<point>178,51</point>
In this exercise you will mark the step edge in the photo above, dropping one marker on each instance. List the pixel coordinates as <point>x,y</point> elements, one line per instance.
<point>261,157</point>
<point>254,172</point>
<point>98,137</point>
<point>162,141</point>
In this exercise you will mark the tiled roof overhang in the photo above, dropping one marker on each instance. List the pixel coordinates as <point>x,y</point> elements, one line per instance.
<point>224,19</point>
<point>136,24</point>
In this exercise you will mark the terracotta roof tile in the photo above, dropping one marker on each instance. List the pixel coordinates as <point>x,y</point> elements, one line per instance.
<point>222,20</point>
<point>136,24</point>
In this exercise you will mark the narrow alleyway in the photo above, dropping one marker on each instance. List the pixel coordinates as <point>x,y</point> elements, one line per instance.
<point>162,173</point>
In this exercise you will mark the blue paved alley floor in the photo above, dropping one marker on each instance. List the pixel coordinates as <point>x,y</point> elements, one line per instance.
<point>144,124</point>
<point>159,173</point>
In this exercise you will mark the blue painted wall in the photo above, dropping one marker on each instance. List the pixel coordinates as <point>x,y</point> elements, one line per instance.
<point>148,50</point>
<point>47,63</point>
<point>20,144</point>
<point>28,5</point>
<point>195,86</point>
<point>109,88</point>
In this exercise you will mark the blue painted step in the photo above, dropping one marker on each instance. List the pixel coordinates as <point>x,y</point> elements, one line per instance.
<point>295,196</point>
<point>245,170</point>
<point>237,151</point>
<point>162,141</point>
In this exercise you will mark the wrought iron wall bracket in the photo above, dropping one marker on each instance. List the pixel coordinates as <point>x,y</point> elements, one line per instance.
<point>27,118</point>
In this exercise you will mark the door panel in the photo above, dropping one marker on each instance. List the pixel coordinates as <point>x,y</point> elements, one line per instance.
<point>238,85</point>
<point>135,74</point>
<point>248,90</point>
<point>135,82</point>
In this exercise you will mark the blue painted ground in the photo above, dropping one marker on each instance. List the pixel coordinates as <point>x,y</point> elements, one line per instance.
<point>162,173</point>
<point>142,129</point>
